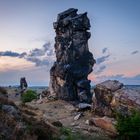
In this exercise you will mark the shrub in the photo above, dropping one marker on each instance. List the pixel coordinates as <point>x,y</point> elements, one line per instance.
<point>28,96</point>
<point>3,90</point>
<point>129,126</point>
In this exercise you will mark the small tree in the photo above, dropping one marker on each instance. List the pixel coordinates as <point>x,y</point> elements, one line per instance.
<point>28,96</point>
<point>129,126</point>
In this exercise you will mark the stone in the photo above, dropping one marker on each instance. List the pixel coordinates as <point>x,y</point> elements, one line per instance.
<point>77,117</point>
<point>82,106</point>
<point>111,97</point>
<point>74,62</point>
<point>125,100</point>
<point>40,101</point>
<point>104,91</point>
<point>11,110</point>
<point>102,98</point>
<point>106,123</point>
<point>87,122</point>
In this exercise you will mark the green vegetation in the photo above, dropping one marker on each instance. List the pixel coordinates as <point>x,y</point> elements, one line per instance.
<point>28,96</point>
<point>129,126</point>
<point>68,134</point>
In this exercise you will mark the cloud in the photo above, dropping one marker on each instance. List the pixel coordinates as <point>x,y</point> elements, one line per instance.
<point>100,70</point>
<point>102,59</point>
<point>9,53</point>
<point>43,56</point>
<point>104,50</point>
<point>134,52</point>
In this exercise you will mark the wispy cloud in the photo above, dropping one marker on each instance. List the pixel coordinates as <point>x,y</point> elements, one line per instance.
<point>102,59</point>
<point>104,50</point>
<point>100,69</point>
<point>43,56</point>
<point>11,54</point>
<point>100,62</point>
<point>134,52</point>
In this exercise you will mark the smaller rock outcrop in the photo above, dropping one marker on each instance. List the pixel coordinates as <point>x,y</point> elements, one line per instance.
<point>112,97</point>
<point>104,93</point>
<point>23,83</point>
<point>125,100</point>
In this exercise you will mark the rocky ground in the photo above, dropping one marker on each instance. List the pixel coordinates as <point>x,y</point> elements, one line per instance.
<point>61,113</point>
<point>47,115</point>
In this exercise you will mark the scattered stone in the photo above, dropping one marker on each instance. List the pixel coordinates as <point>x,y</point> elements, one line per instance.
<point>73,124</point>
<point>11,110</point>
<point>40,101</point>
<point>68,75</point>
<point>87,122</point>
<point>82,106</point>
<point>77,117</point>
<point>106,123</point>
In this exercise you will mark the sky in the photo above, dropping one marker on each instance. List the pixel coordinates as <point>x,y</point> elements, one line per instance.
<point>27,39</point>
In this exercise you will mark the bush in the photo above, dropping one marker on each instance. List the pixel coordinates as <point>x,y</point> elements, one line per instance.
<point>129,126</point>
<point>28,96</point>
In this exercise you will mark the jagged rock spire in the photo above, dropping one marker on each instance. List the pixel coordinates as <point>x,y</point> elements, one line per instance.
<point>68,75</point>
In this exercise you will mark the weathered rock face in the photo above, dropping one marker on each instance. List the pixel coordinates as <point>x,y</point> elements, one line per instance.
<point>125,100</point>
<point>73,60</point>
<point>111,97</point>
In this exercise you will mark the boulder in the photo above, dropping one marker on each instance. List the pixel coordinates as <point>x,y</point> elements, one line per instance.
<point>106,123</point>
<point>111,97</point>
<point>104,91</point>
<point>125,100</point>
<point>102,98</point>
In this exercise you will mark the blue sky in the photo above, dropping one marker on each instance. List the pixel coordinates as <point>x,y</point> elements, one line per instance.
<point>26,25</point>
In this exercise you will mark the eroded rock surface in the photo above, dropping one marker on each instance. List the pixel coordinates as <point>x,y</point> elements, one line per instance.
<point>73,60</point>
<point>23,83</point>
<point>111,97</point>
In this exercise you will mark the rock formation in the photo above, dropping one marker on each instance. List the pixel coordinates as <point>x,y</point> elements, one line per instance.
<point>68,75</point>
<point>112,97</point>
<point>23,83</point>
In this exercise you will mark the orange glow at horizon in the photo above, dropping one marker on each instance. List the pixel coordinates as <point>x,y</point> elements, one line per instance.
<point>11,63</point>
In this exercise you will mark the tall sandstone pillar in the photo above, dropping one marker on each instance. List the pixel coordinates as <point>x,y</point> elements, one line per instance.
<point>68,75</point>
